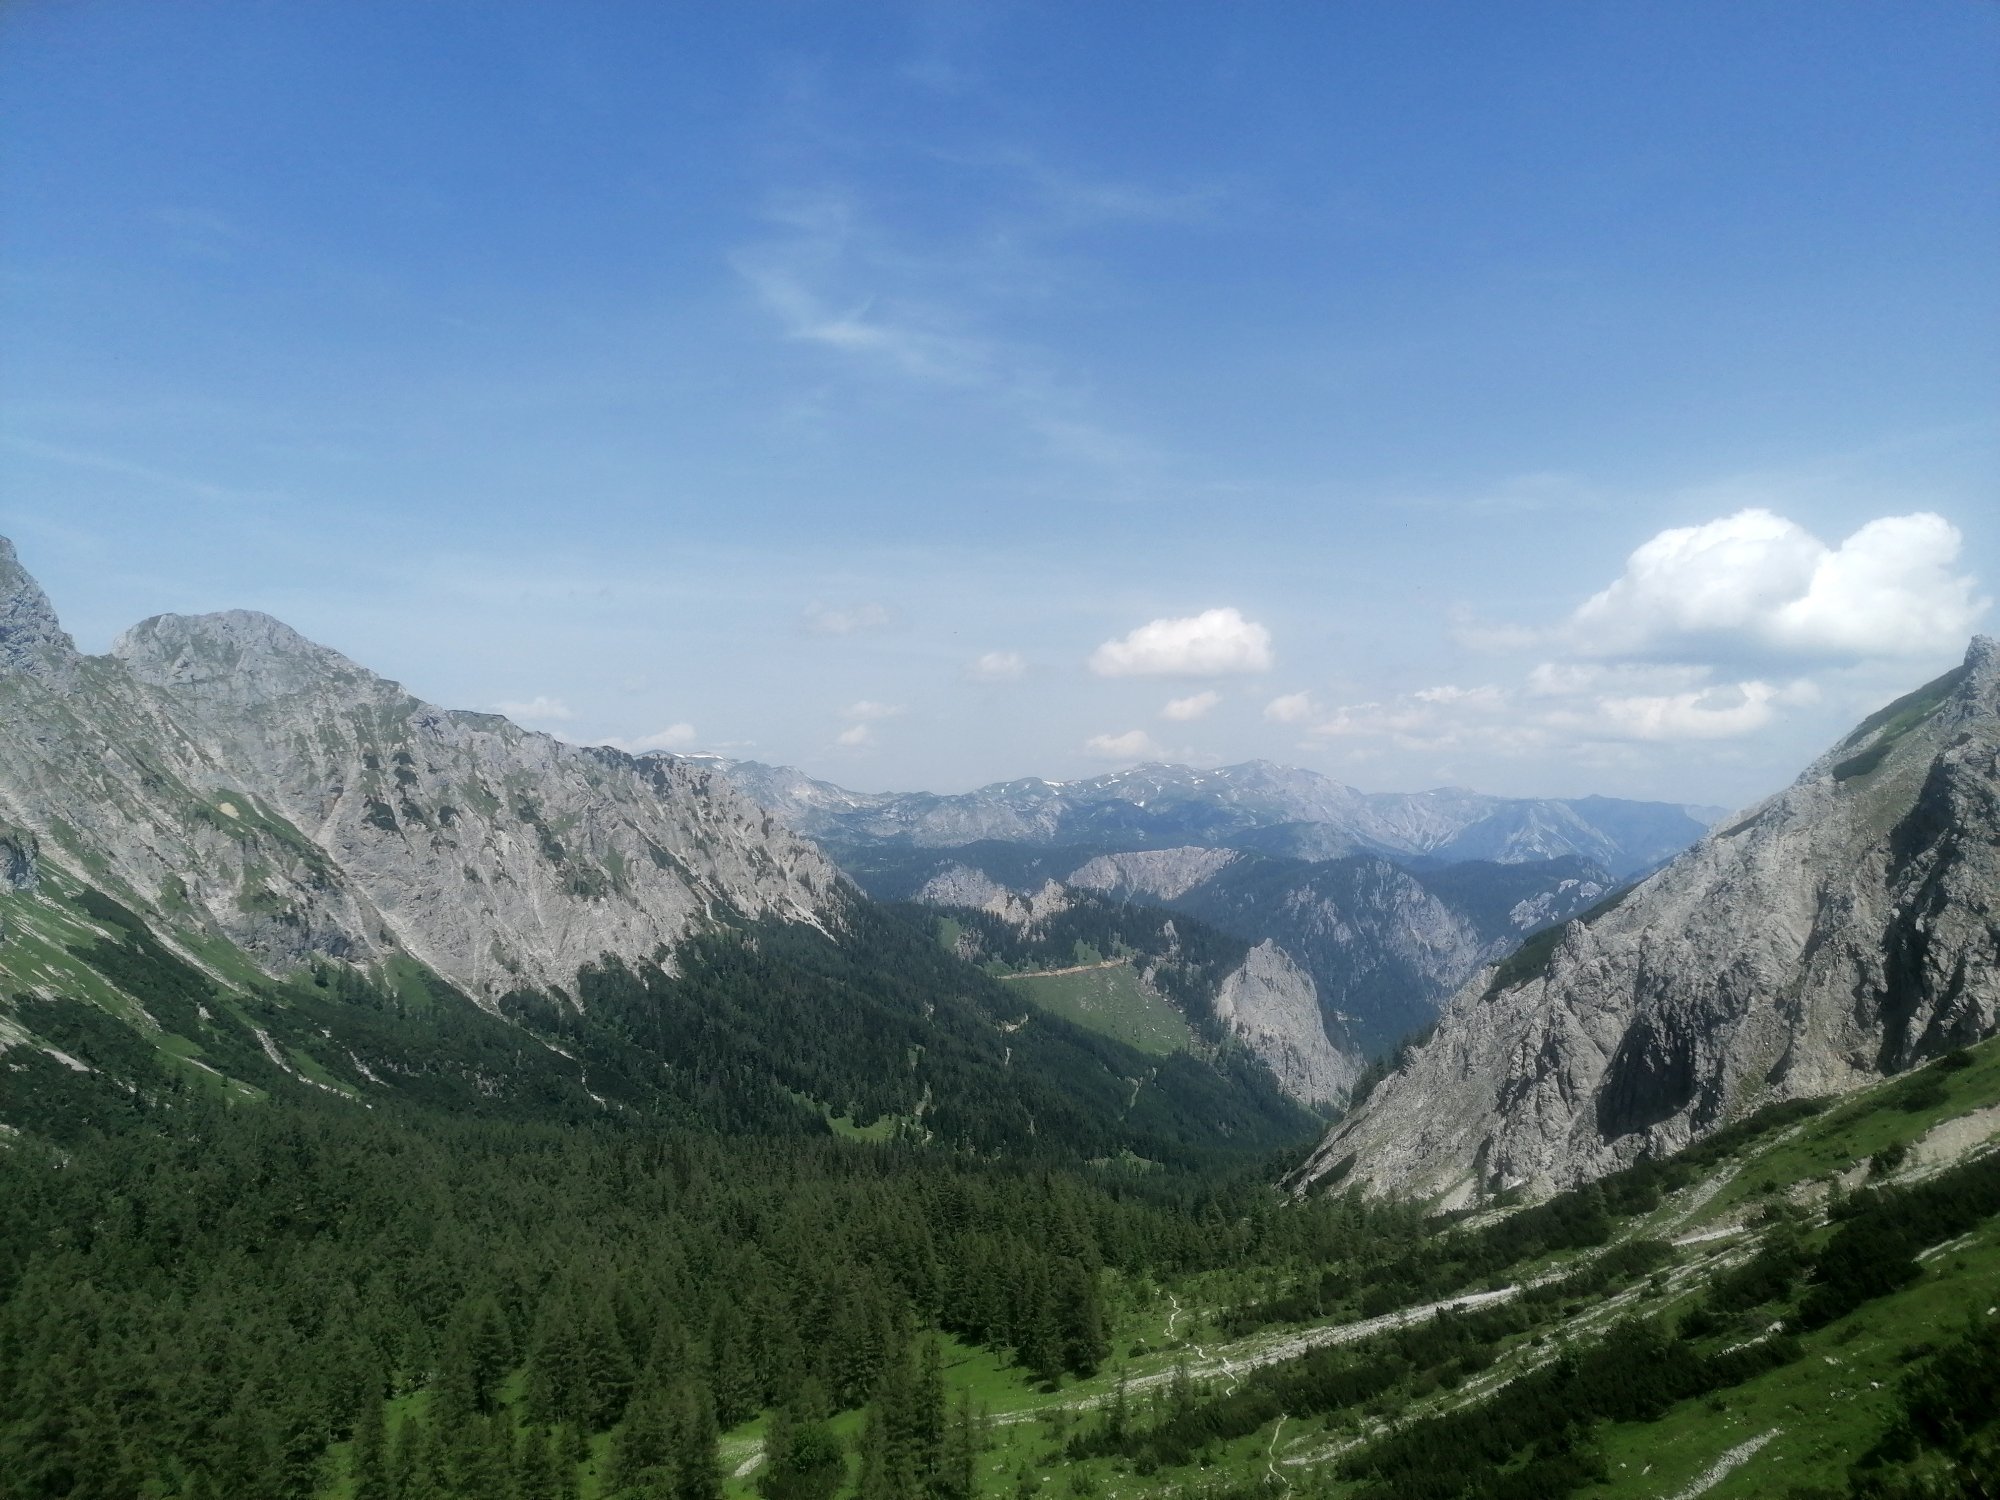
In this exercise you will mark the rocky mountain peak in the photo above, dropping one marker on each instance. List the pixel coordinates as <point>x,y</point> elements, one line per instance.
<point>236,656</point>
<point>1840,931</point>
<point>32,640</point>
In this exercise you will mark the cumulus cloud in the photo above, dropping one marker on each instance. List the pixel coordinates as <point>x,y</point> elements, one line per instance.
<point>1194,706</point>
<point>1134,744</point>
<point>1757,584</point>
<point>1214,643</point>
<point>673,737</point>
<point>1292,708</point>
<point>854,736</point>
<point>540,709</point>
<point>868,708</point>
<point>822,619</point>
<point>997,666</point>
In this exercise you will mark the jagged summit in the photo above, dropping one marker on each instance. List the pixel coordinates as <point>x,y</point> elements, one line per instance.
<point>32,639</point>
<point>1846,928</point>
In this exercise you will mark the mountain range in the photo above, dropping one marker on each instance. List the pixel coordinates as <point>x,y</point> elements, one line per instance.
<point>218,832</point>
<point>1256,805</point>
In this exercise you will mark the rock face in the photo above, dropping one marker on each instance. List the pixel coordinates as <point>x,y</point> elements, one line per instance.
<point>1271,1004</point>
<point>1152,874</point>
<point>1847,928</point>
<point>228,773</point>
<point>1384,945</point>
<point>32,641</point>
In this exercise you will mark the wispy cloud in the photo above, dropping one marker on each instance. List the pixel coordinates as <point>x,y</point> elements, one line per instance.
<point>1291,708</point>
<point>1194,706</point>
<point>540,709</point>
<point>997,666</point>
<point>825,619</point>
<point>921,306</point>
<point>867,710</point>
<point>1132,745</point>
<point>673,737</point>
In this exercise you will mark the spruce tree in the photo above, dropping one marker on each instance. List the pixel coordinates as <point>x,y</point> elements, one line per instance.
<point>371,1451</point>
<point>645,1443</point>
<point>697,1459</point>
<point>534,1468</point>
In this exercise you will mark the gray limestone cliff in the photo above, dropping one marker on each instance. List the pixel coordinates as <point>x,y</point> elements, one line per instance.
<point>240,780</point>
<point>1847,928</point>
<point>1271,1004</point>
<point>961,885</point>
<point>1152,874</point>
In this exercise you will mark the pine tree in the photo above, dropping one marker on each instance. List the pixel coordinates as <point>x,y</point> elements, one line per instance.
<point>924,1424</point>
<point>534,1468</point>
<point>608,1375</point>
<point>558,1382</point>
<point>406,1458</point>
<point>371,1451</point>
<point>697,1458</point>
<point>645,1443</point>
<point>1081,1314</point>
<point>957,1476</point>
<point>732,1373</point>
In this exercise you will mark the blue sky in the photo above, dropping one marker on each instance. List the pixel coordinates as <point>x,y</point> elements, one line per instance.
<point>1544,398</point>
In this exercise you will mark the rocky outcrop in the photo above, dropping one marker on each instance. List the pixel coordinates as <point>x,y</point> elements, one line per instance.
<point>228,773</point>
<point>1271,1005</point>
<point>1846,928</point>
<point>32,641</point>
<point>961,885</point>
<point>19,870</point>
<point>1152,874</point>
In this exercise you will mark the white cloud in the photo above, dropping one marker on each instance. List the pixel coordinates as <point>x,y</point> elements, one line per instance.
<point>823,619</point>
<point>1574,679</point>
<point>1134,744</point>
<point>867,709</point>
<point>1292,708</point>
<point>1194,706</point>
<point>1716,713</point>
<point>997,666</point>
<point>673,737</point>
<point>854,736</point>
<point>1756,583</point>
<point>1214,643</point>
<point>541,709</point>
<point>1448,693</point>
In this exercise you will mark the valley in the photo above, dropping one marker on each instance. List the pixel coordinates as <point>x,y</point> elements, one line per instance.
<point>666,1154</point>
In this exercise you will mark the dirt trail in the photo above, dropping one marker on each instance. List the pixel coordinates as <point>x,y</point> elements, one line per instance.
<point>1109,963</point>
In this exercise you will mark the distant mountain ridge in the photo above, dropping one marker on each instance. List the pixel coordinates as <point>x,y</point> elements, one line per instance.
<point>1846,928</point>
<point>1257,804</point>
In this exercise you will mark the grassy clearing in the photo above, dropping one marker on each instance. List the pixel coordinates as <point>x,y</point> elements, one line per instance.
<point>1850,1134</point>
<point>1112,1002</point>
<point>1825,1408</point>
